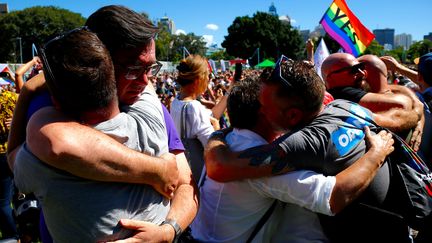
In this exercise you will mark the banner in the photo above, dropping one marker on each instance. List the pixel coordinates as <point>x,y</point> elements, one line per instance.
<point>223,68</point>
<point>320,54</point>
<point>344,27</point>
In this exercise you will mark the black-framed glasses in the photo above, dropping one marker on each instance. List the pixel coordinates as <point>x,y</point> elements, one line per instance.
<point>45,64</point>
<point>134,72</point>
<point>277,72</point>
<point>352,69</point>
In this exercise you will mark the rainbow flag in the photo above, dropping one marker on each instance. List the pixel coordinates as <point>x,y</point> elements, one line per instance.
<point>344,27</point>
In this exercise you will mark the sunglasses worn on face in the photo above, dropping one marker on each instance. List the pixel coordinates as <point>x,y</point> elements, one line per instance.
<point>352,69</point>
<point>45,64</point>
<point>134,72</point>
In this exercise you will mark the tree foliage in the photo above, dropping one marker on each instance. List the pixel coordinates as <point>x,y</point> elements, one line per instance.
<point>220,55</point>
<point>264,31</point>
<point>375,49</point>
<point>171,47</point>
<point>419,48</point>
<point>33,25</point>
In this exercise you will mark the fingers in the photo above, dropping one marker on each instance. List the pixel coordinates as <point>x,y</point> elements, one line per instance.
<point>367,131</point>
<point>132,224</point>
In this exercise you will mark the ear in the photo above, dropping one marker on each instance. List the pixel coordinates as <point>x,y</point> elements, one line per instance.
<point>294,116</point>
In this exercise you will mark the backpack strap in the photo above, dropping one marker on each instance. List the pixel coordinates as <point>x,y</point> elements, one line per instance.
<point>183,117</point>
<point>262,221</point>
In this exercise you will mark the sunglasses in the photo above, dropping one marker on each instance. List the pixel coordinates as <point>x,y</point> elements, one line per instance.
<point>134,72</point>
<point>45,64</point>
<point>277,72</point>
<point>352,69</point>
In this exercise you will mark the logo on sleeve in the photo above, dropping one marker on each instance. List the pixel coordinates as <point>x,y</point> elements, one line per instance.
<point>345,138</point>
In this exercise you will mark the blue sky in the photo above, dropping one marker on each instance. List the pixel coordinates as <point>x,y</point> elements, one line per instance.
<point>212,18</point>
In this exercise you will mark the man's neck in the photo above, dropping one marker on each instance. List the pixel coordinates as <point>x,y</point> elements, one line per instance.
<point>100,115</point>
<point>265,130</point>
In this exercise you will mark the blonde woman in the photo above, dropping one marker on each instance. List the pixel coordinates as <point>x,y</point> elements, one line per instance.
<point>196,121</point>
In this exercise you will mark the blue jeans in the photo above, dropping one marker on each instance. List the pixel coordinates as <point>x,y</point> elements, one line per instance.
<point>7,222</point>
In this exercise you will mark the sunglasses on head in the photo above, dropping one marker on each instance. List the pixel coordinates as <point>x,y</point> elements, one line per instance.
<point>352,69</point>
<point>277,72</point>
<point>45,64</point>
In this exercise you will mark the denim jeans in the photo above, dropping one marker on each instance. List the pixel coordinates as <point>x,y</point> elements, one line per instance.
<point>7,222</point>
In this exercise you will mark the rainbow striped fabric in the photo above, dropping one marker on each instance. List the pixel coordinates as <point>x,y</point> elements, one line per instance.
<point>344,27</point>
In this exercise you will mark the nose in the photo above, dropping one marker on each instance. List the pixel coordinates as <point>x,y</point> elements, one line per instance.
<point>144,77</point>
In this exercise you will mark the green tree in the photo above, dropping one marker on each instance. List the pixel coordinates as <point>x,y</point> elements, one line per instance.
<point>33,25</point>
<point>266,32</point>
<point>398,53</point>
<point>419,48</point>
<point>220,55</point>
<point>375,49</point>
<point>164,44</point>
<point>194,45</point>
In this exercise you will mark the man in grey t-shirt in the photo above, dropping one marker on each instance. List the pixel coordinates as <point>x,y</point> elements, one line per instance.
<point>77,209</point>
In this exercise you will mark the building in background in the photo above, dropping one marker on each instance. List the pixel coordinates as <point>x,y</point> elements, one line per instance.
<point>385,37</point>
<point>272,10</point>
<point>404,40</point>
<point>428,37</point>
<point>4,8</point>
<point>169,24</point>
<point>305,35</point>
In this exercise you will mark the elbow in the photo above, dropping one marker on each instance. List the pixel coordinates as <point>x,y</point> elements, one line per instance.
<point>216,173</point>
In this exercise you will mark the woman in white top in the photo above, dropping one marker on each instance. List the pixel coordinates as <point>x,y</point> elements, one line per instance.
<point>193,79</point>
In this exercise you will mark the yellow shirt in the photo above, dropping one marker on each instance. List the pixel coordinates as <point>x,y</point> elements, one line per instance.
<point>8,100</point>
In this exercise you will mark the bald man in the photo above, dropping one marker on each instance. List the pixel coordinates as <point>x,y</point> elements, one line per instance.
<point>345,78</point>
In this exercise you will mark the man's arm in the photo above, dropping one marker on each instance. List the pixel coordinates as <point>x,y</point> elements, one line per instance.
<point>70,146</point>
<point>223,165</point>
<point>418,107</point>
<point>382,102</point>
<point>397,120</point>
<point>329,194</point>
<point>395,66</point>
<point>351,182</point>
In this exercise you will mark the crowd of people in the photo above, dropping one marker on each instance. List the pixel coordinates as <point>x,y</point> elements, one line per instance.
<point>103,146</point>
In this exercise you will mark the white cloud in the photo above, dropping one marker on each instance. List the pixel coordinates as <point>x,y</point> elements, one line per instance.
<point>180,31</point>
<point>212,27</point>
<point>287,18</point>
<point>283,18</point>
<point>208,39</point>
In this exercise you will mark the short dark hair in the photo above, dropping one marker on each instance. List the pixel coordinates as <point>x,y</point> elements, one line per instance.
<point>121,28</point>
<point>243,103</point>
<point>82,73</point>
<point>306,88</point>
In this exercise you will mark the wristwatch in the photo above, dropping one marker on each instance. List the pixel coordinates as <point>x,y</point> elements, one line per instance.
<point>177,228</point>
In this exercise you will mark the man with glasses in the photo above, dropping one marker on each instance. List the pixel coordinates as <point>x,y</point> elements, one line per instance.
<point>129,38</point>
<point>323,139</point>
<point>345,77</point>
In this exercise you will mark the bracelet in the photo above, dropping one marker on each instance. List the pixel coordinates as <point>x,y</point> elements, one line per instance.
<point>176,226</point>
